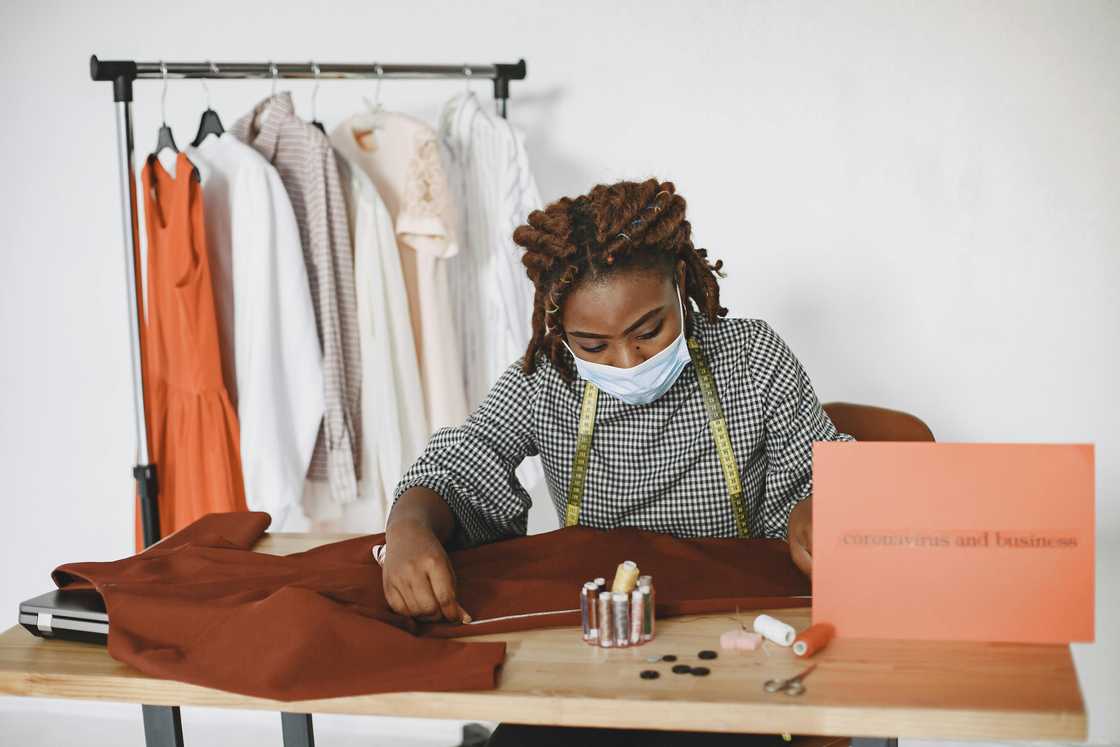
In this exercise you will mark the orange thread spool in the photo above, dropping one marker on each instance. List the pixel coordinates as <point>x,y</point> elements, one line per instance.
<point>813,639</point>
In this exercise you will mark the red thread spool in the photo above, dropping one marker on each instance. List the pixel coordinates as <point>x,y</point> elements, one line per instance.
<point>813,639</point>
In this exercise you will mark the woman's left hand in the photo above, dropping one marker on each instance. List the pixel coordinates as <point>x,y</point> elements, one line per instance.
<point>801,535</point>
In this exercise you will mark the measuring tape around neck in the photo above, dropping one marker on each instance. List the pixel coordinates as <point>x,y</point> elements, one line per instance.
<point>716,423</point>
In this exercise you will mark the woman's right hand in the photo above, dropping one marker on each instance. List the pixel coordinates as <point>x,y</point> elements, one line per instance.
<point>417,574</point>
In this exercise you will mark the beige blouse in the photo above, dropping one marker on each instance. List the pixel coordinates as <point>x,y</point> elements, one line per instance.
<point>401,155</point>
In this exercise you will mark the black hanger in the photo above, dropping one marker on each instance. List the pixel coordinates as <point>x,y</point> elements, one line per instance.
<point>319,124</point>
<point>211,123</point>
<point>164,139</point>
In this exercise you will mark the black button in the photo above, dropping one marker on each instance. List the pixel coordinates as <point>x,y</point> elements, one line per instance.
<point>700,671</point>
<point>669,657</point>
<point>649,674</point>
<point>707,654</point>
<point>682,669</point>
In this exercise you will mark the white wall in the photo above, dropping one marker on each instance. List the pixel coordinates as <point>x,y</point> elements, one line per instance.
<point>922,198</point>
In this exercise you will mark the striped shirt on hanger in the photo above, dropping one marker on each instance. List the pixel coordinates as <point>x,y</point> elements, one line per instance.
<point>308,168</point>
<point>488,169</point>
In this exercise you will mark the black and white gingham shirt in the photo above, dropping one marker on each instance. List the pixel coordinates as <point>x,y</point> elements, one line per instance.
<point>652,466</point>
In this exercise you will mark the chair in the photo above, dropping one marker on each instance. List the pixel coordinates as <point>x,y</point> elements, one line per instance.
<point>870,423</point>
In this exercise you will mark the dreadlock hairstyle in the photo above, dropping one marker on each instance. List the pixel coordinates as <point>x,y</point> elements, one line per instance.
<point>615,227</point>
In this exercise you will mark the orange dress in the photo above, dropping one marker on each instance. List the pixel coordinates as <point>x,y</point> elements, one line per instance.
<point>192,425</point>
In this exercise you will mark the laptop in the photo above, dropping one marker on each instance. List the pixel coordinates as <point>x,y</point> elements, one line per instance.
<point>72,615</point>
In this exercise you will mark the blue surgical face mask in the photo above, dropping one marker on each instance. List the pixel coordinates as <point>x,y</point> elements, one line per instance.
<point>645,382</point>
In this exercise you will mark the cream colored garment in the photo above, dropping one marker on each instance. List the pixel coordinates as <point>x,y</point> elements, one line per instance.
<point>401,155</point>
<point>397,429</point>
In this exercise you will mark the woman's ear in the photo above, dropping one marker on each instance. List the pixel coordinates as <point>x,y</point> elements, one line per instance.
<point>682,292</point>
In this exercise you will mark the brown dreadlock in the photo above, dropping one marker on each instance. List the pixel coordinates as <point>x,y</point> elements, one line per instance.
<point>626,225</point>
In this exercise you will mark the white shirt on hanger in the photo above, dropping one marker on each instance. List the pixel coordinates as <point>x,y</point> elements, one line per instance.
<point>396,429</point>
<point>271,358</point>
<point>488,169</point>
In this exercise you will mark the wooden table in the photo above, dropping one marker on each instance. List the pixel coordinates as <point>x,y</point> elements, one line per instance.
<point>878,690</point>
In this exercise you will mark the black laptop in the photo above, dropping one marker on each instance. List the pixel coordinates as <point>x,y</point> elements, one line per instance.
<point>72,615</point>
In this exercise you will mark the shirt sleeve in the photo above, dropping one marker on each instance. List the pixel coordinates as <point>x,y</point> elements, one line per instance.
<point>424,220</point>
<point>473,466</point>
<point>794,420</point>
<point>338,316</point>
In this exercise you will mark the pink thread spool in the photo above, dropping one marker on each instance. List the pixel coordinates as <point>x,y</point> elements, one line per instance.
<point>740,640</point>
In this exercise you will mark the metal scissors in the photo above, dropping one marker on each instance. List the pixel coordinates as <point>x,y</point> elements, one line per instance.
<point>792,686</point>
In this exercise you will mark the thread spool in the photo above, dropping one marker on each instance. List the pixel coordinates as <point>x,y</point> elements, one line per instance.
<point>588,597</point>
<point>605,620</point>
<point>637,616</point>
<point>620,609</point>
<point>626,577</point>
<point>649,618</point>
<point>773,629</point>
<point>813,639</point>
<point>740,640</point>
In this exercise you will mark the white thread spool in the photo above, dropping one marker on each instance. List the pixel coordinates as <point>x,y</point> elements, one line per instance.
<point>773,629</point>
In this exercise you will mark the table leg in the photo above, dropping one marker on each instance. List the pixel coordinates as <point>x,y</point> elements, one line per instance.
<point>163,726</point>
<point>874,742</point>
<point>297,729</point>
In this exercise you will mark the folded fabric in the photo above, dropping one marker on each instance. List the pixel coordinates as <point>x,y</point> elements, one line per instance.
<point>202,607</point>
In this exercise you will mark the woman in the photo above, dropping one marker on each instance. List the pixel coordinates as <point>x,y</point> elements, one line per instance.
<point>627,330</point>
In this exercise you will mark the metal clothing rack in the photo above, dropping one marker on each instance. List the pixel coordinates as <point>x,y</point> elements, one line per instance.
<point>122,73</point>
<point>163,724</point>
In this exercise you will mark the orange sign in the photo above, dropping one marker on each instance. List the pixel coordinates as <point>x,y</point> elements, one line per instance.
<point>944,541</point>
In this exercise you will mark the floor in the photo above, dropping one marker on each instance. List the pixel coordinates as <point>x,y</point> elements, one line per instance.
<point>27,722</point>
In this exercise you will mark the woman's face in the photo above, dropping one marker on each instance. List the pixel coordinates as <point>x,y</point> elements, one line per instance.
<point>623,318</point>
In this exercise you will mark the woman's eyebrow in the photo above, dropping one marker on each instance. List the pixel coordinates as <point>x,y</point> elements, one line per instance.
<point>641,320</point>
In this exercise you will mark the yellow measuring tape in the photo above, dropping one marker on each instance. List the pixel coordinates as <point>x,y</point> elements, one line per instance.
<point>716,422</point>
<point>583,452</point>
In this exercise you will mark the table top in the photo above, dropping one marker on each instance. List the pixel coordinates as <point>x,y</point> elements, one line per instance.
<point>872,688</point>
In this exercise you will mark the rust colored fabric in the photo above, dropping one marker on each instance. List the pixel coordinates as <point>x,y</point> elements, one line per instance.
<point>201,607</point>
<point>192,425</point>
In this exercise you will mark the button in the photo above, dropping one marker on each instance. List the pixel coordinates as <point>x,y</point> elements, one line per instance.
<point>649,674</point>
<point>699,671</point>
<point>707,654</point>
<point>682,669</point>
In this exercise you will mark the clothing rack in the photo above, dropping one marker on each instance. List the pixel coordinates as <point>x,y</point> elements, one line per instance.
<point>122,73</point>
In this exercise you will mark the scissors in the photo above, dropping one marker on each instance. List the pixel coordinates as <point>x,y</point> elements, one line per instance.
<point>792,686</point>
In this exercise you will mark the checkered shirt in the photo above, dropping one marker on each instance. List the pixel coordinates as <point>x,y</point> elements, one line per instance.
<point>308,168</point>
<point>652,466</point>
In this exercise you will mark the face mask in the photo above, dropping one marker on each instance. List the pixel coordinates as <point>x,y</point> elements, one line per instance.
<point>644,382</point>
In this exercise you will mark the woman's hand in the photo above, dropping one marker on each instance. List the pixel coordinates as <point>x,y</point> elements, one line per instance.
<point>801,535</point>
<point>417,574</point>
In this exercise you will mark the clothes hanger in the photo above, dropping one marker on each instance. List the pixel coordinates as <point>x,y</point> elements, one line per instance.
<point>467,73</point>
<point>164,139</point>
<point>375,107</point>
<point>365,124</point>
<point>211,123</point>
<point>314,94</point>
